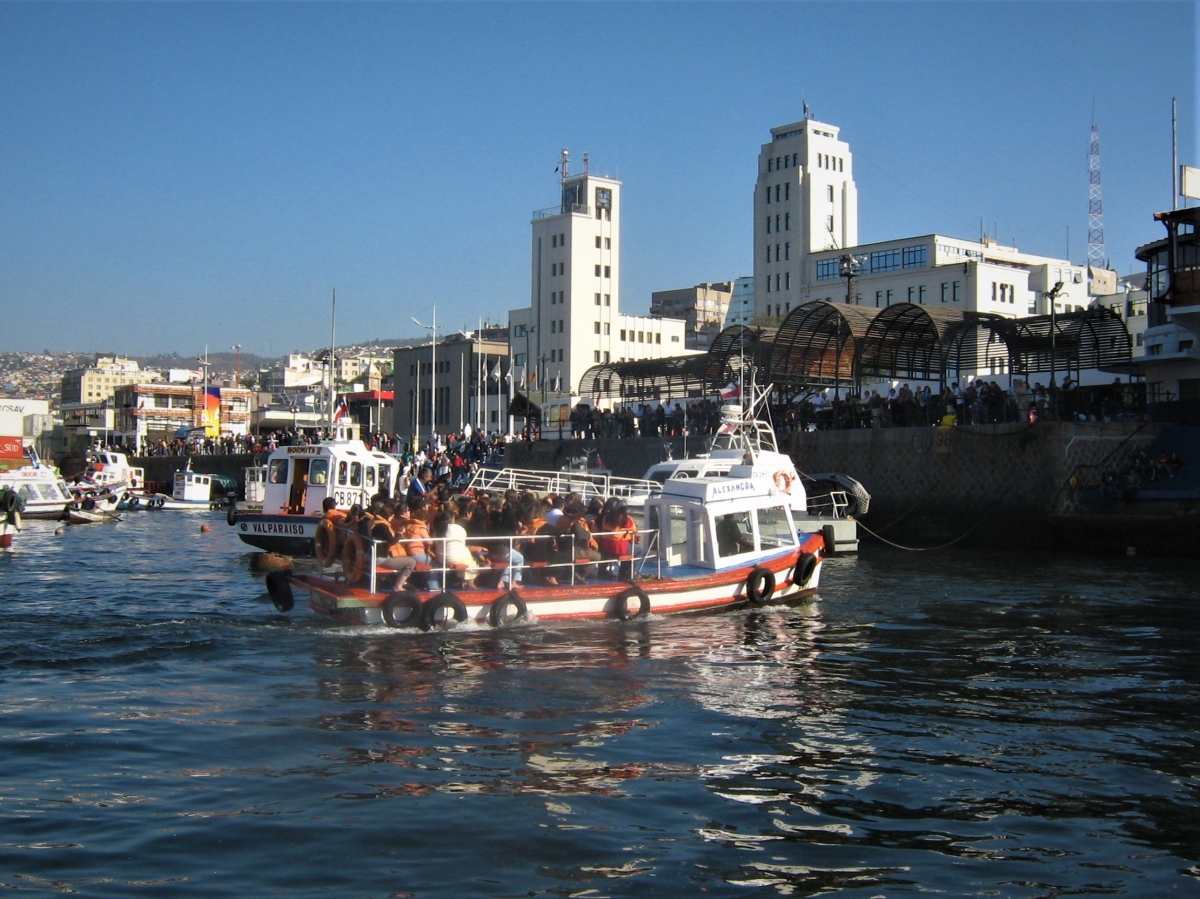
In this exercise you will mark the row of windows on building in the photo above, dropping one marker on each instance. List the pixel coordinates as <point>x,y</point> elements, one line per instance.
<point>833,163</point>
<point>779,163</point>
<point>560,240</point>
<point>787,192</point>
<point>784,284</point>
<point>947,250</point>
<point>443,368</point>
<point>560,268</point>
<point>879,261</point>
<point>787,253</point>
<point>785,218</point>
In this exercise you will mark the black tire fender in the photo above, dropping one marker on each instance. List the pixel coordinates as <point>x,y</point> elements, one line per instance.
<point>8,501</point>
<point>354,558</point>
<point>134,501</point>
<point>498,612</point>
<point>402,610</point>
<point>432,614</point>
<point>326,548</point>
<point>279,588</point>
<point>760,584</point>
<point>803,572</point>
<point>621,604</point>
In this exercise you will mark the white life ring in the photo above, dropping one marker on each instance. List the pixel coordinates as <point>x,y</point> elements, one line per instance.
<point>783,481</point>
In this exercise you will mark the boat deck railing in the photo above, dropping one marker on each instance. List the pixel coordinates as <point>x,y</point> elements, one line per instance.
<point>588,485</point>
<point>496,553</point>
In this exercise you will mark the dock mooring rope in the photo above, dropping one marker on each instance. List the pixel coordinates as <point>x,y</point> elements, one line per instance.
<point>925,549</point>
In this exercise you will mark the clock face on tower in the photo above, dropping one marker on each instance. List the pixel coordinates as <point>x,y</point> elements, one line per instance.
<point>603,198</point>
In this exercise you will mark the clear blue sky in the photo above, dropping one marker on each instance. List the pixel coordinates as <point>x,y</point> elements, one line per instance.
<point>176,175</point>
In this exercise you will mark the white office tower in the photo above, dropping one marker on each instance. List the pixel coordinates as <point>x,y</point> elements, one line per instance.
<point>805,201</point>
<point>574,320</point>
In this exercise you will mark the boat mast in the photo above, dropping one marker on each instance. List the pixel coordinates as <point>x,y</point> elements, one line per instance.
<point>332,344</point>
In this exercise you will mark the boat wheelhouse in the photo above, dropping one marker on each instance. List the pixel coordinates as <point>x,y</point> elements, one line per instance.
<point>298,480</point>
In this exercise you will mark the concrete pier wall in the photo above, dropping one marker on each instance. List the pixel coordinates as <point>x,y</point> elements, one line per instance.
<point>979,485</point>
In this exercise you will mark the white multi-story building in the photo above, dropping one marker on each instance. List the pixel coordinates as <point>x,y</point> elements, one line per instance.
<point>805,202</point>
<point>741,304</point>
<point>574,320</point>
<point>935,270</point>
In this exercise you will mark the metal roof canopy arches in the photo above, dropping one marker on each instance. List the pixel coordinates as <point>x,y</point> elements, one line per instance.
<point>750,346</point>
<point>823,344</point>
<point>1069,342</point>
<point>817,346</point>
<point>907,340</point>
<point>645,379</point>
<point>979,340</point>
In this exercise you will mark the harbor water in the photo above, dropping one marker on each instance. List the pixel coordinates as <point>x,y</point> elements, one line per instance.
<point>955,724</point>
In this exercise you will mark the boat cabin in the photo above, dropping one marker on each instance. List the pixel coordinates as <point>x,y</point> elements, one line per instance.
<point>193,487</point>
<point>256,483</point>
<point>717,523</point>
<point>299,478</point>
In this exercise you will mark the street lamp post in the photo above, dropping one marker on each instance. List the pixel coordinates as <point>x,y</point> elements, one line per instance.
<point>433,364</point>
<point>1052,296</point>
<point>849,267</point>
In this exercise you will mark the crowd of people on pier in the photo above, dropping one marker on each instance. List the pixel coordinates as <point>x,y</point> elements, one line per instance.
<point>975,402</point>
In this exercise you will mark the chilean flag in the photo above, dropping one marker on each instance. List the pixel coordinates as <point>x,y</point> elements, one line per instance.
<point>340,409</point>
<point>731,392</point>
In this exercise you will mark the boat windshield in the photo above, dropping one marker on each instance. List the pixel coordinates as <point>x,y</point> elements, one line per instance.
<point>277,471</point>
<point>318,472</point>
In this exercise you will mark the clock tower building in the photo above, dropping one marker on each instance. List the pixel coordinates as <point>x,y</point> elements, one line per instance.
<point>574,321</point>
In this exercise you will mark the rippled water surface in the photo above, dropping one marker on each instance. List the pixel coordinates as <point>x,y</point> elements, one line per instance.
<point>959,724</point>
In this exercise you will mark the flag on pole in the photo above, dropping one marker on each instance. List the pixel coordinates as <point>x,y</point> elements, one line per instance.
<point>521,380</point>
<point>732,391</point>
<point>533,376</point>
<point>341,408</point>
<point>495,375</point>
<point>508,379</point>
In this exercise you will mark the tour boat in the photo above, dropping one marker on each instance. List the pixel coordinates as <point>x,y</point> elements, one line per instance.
<point>744,446</point>
<point>298,480</point>
<point>38,485</point>
<point>193,490</point>
<point>104,483</point>
<point>708,544</point>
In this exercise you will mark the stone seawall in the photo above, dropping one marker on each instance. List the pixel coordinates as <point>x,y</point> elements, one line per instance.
<point>982,485</point>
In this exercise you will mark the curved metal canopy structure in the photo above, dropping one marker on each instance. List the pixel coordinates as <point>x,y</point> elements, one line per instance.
<point>823,344</point>
<point>907,341</point>
<point>817,346</point>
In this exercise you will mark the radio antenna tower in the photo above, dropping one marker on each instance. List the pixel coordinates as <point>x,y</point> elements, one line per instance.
<point>1096,254</point>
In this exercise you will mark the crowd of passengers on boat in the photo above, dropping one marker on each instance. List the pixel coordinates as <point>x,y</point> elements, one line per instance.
<point>486,540</point>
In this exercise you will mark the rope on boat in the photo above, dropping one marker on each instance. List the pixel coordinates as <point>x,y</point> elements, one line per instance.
<point>925,549</point>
